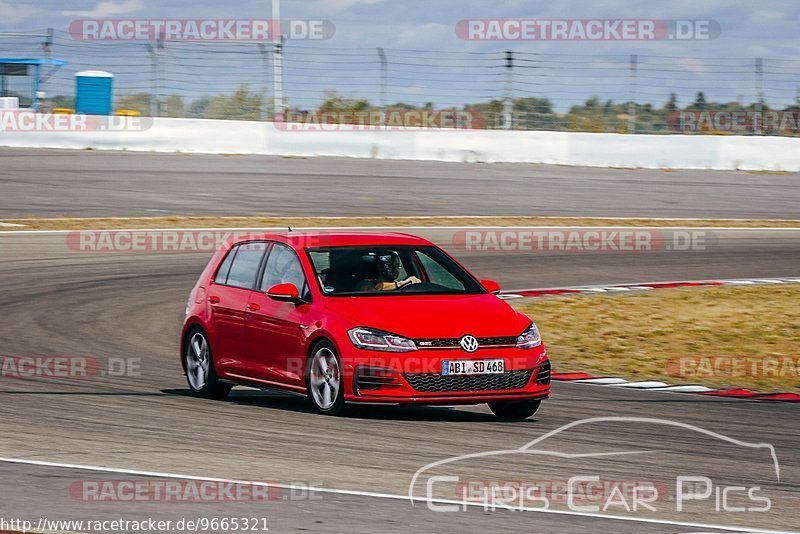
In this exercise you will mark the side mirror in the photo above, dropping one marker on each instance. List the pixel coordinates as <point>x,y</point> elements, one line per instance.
<point>491,286</point>
<point>285,293</point>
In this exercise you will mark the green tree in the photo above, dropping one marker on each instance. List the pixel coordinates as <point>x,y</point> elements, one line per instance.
<point>175,107</point>
<point>403,105</point>
<point>492,111</point>
<point>672,103</point>
<point>197,109</point>
<point>591,117</point>
<point>700,101</point>
<point>239,105</point>
<point>535,114</point>
<point>137,102</point>
<point>333,101</point>
<point>533,105</point>
<point>796,105</point>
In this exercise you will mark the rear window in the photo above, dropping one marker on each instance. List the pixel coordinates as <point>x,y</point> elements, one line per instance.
<point>225,268</point>
<point>243,267</point>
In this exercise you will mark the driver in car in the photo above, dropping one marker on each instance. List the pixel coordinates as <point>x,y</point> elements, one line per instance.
<point>286,270</point>
<point>388,271</point>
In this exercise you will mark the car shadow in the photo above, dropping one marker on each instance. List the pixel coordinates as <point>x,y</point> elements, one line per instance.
<point>296,403</point>
<point>87,393</point>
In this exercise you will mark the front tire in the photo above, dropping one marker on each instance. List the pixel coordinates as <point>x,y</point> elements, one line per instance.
<point>515,411</point>
<point>198,364</point>
<point>325,380</point>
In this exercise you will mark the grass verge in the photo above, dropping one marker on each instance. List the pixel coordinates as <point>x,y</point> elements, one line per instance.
<point>393,222</point>
<point>637,336</point>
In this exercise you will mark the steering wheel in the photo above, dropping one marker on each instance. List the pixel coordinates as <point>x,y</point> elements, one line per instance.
<point>407,284</point>
<point>422,286</point>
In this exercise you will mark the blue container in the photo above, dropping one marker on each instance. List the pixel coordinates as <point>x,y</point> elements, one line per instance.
<point>93,92</point>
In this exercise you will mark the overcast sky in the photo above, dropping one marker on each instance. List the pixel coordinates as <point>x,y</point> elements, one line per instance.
<point>749,29</point>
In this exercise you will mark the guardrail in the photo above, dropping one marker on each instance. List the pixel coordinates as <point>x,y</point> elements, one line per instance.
<point>491,146</point>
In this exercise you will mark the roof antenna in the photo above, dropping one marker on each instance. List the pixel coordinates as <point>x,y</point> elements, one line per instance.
<point>290,228</point>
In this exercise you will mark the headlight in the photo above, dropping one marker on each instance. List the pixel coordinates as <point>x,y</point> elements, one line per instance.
<point>530,338</point>
<point>369,339</point>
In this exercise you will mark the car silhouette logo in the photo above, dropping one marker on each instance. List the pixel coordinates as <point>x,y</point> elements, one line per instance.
<point>469,343</point>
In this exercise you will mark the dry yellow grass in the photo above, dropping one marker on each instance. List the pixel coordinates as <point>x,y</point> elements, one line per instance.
<point>635,336</point>
<point>433,221</point>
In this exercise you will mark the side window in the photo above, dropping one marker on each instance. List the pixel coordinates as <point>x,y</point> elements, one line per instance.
<point>283,267</point>
<point>438,274</point>
<point>225,268</point>
<point>245,265</point>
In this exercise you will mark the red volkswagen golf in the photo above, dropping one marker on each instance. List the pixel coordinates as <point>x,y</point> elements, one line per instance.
<point>359,317</point>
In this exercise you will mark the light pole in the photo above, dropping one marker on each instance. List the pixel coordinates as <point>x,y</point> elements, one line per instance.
<point>384,69</point>
<point>262,48</point>
<point>277,39</point>
<point>508,102</point>
<point>634,69</point>
<point>759,115</point>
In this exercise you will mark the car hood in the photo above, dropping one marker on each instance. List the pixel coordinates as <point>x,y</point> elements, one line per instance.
<point>433,316</point>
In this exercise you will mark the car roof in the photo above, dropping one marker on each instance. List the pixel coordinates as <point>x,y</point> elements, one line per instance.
<point>323,239</point>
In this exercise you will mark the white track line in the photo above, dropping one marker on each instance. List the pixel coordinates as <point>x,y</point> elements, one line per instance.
<point>656,386</point>
<point>641,385</point>
<point>689,388</point>
<point>390,496</point>
<point>600,381</point>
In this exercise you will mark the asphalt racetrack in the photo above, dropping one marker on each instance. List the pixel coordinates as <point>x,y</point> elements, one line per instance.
<point>63,183</point>
<point>129,306</point>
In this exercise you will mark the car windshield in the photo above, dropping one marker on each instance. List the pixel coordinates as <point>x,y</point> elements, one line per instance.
<point>389,270</point>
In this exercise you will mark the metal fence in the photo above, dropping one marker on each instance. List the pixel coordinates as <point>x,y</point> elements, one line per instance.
<point>507,89</point>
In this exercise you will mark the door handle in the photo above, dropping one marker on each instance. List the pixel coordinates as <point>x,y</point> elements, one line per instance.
<point>253,307</point>
<point>213,300</point>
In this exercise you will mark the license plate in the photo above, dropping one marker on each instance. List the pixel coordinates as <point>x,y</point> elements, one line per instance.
<point>473,367</point>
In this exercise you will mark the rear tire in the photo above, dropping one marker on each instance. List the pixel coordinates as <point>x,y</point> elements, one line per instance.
<point>325,380</point>
<point>516,410</point>
<point>198,364</point>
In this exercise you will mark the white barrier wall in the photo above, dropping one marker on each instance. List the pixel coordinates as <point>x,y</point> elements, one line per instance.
<point>561,148</point>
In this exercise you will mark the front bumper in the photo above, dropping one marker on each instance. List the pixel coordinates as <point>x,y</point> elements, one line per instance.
<point>414,377</point>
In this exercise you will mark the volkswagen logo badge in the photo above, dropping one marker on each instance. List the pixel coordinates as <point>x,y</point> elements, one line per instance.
<point>469,343</point>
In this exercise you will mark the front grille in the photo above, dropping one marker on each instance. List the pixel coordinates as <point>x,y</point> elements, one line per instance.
<point>497,341</point>
<point>438,382</point>
<point>454,343</point>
